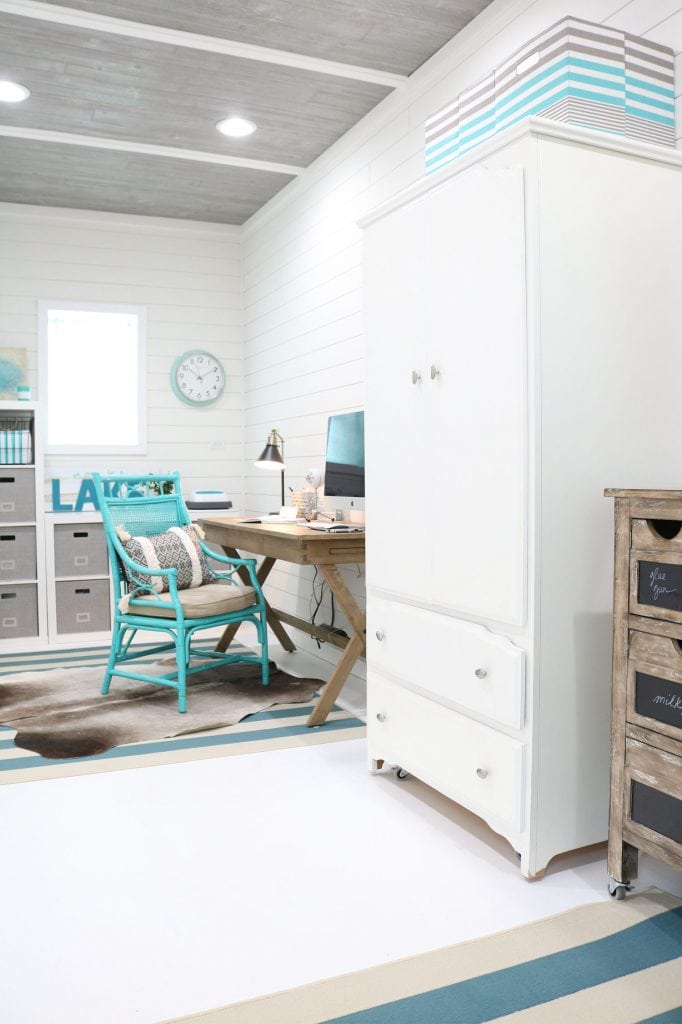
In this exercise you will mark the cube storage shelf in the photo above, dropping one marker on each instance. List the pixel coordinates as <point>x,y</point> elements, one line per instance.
<point>22,581</point>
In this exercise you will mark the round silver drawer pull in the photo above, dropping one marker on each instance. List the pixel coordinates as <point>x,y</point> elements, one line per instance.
<point>380,635</point>
<point>381,717</point>
<point>416,377</point>
<point>481,772</point>
<point>481,673</point>
<point>435,372</point>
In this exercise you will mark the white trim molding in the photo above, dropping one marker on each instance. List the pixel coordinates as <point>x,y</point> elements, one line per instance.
<point>145,149</point>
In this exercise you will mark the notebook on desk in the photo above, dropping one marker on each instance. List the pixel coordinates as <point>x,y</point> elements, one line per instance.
<point>336,527</point>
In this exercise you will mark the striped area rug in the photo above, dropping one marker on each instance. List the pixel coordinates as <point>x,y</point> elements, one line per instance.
<point>605,963</point>
<point>276,728</point>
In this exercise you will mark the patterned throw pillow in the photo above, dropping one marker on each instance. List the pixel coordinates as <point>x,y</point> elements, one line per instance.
<point>178,548</point>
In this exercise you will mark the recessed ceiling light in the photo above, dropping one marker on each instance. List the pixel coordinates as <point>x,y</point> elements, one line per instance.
<point>11,92</point>
<point>236,127</point>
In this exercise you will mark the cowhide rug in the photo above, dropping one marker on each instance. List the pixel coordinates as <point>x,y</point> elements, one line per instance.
<point>60,713</point>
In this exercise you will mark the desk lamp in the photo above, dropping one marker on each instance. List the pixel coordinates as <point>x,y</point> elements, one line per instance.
<point>271,457</point>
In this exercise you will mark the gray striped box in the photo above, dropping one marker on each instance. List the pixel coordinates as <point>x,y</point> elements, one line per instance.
<point>576,72</point>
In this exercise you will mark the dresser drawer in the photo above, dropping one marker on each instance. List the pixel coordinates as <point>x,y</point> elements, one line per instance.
<point>80,550</point>
<point>652,800</point>
<point>662,535</point>
<point>468,762</point>
<point>654,683</point>
<point>457,663</point>
<point>656,584</point>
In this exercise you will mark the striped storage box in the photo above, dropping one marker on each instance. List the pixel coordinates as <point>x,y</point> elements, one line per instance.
<point>576,72</point>
<point>16,447</point>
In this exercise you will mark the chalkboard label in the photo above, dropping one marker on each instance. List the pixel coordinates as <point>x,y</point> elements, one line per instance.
<point>660,812</point>
<point>660,585</point>
<point>658,698</point>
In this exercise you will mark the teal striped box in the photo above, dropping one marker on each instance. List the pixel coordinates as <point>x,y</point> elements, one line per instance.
<point>576,72</point>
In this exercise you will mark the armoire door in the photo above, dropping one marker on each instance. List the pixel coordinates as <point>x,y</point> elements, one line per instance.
<point>397,448</point>
<point>477,394</point>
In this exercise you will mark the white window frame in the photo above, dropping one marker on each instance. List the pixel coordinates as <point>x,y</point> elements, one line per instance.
<point>44,305</point>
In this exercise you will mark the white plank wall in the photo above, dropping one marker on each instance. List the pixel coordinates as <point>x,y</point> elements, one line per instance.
<point>302,254</point>
<point>187,275</point>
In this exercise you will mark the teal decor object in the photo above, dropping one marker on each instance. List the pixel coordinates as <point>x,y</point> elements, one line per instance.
<point>13,365</point>
<point>197,378</point>
<point>151,599</point>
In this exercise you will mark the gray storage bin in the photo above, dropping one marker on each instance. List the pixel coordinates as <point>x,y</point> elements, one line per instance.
<point>80,550</point>
<point>17,495</point>
<point>83,606</point>
<point>18,553</point>
<point>18,610</point>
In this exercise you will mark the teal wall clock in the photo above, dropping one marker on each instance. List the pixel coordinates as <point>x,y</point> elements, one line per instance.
<point>197,377</point>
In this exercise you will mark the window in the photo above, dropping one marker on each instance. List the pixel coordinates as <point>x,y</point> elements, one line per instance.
<point>93,377</point>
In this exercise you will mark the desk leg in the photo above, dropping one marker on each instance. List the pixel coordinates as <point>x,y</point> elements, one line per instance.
<point>273,622</point>
<point>354,648</point>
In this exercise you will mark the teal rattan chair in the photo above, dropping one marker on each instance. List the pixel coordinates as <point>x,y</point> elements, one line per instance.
<point>138,506</point>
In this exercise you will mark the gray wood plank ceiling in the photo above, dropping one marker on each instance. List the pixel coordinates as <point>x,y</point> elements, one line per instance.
<point>108,112</point>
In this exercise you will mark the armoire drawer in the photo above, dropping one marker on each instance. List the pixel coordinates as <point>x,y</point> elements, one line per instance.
<point>455,662</point>
<point>468,762</point>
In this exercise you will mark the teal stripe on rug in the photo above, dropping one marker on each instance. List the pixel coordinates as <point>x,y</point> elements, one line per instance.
<point>162,746</point>
<point>669,1017</point>
<point>486,998</point>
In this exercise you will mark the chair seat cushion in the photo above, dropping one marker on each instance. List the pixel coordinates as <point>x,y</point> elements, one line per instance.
<point>198,603</point>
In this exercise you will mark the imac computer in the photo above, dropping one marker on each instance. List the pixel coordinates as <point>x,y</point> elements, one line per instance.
<point>344,471</point>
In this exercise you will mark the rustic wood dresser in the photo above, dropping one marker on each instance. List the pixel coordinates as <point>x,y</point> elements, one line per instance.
<point>646,717</point>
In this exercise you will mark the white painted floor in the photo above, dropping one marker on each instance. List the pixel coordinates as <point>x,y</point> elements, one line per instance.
<point>138,896</point>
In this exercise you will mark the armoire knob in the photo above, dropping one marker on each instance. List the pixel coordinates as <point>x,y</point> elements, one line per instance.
<point>481,673</point>
<point>381,717</point>
<point>482,773</point>
<point>380,635</point>
<point>416,377</point>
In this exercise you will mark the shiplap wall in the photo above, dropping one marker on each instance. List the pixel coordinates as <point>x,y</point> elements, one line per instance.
<point>188,275</point>
<point>302,254</point>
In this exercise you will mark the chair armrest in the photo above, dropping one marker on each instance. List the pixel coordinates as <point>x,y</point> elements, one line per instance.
<point>248,563</point>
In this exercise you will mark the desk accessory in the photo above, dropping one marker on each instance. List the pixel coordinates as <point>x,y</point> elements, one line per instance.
<point>208,499</point>
<point>272,458</point>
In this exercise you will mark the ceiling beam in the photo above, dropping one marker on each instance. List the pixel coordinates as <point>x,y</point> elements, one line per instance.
<point>145,148</point>
<point>209,44</point>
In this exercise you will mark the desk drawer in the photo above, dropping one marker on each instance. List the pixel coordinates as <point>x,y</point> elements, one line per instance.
<point>467,761</point>
<point>18,553</point>
<point>80,550</point>
<point>455,662</point>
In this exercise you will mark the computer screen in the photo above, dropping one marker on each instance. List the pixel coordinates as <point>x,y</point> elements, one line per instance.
<point>344,474</point>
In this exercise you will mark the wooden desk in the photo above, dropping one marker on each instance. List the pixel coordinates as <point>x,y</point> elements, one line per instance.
<point>302,546</point>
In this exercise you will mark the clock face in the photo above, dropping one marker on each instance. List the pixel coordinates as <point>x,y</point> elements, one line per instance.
<point>197,377</point>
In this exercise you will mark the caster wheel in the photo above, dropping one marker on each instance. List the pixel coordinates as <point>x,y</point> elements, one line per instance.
<point>400,773</point>
<point>619,890</point>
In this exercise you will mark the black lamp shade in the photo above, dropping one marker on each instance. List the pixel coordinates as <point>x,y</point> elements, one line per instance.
<point>270,458</point>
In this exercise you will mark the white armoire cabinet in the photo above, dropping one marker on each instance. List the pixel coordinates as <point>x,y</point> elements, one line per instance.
<point>523,325</point>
